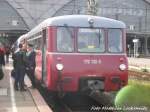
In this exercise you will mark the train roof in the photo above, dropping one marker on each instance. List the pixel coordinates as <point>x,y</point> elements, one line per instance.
<point>78,21</point>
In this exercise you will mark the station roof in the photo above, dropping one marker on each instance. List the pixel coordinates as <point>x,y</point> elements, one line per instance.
<point>32,12</point>
<point>147,1</point>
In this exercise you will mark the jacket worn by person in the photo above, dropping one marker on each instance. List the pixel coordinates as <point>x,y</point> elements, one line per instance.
<point>2,60</point>
<point>19,59</point>
<point>31,59</point>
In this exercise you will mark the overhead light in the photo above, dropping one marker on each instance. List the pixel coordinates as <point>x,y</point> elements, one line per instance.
<point>15,22</point>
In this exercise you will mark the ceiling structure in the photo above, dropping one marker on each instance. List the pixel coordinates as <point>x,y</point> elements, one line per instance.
<point>19,16</point>
<point>147,1</point>
<point>28,13</point>
<point>34,11</point>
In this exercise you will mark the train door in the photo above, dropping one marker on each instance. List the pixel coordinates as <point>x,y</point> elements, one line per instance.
<point>44,47</point>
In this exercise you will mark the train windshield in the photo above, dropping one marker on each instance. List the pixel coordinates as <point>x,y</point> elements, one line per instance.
<point>65,40</point>
<point>91,40</point>
<point>115,41</point>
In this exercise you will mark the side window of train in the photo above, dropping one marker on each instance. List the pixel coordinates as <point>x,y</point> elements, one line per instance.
<point>115,40</point>
<point>37,43</point>
<point>65,40</point>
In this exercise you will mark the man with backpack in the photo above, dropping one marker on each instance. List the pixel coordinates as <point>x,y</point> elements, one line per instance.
<point>20,68</point>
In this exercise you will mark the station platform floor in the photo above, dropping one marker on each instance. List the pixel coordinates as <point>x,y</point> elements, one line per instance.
<point>17,101</point>
<point>139,63</point>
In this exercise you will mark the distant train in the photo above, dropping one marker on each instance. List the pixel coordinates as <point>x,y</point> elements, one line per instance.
<point>79,52</point>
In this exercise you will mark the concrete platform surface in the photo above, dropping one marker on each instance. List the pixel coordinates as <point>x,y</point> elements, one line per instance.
<point>139,63</point>
<point>143,62</point>
<point>16,101</point>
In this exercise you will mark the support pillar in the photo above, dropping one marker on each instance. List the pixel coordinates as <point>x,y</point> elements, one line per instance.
<point>146,46</point>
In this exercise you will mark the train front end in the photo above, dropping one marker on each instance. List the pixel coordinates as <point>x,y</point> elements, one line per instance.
<point>80,72</point>
<point>89,58</point>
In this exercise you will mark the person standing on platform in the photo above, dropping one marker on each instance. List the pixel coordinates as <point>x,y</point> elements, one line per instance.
<point>20,67</point>
<point>30,68</point>
<point>2,63</point>
<point>7,54</point>
<point>2,59</point>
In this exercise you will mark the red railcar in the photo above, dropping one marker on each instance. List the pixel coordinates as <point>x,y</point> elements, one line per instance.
<point>77,52</point>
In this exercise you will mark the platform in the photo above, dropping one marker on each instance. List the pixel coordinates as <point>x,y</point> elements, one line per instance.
<point>16,101</point>
<point>139,63</point>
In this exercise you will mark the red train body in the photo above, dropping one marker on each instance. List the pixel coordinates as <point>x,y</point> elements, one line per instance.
<point>88,61</point>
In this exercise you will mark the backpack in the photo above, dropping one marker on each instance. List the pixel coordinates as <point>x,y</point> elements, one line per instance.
<point>19,59</point>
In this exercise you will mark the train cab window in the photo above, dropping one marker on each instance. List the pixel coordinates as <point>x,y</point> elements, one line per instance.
<point>115,41</point>
<point>91,40</point>
<point>65,40</point>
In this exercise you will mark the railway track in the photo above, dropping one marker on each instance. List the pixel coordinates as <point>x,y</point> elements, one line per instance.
<point>75,103</point>
<point>137,75</point>
<point>84,104</point>
<point>72,102</point>
<point>79,103</point>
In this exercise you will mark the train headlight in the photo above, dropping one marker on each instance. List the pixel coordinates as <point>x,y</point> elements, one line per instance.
<point>122,67</point>
<point>91,21</point>
<point>59,67</point>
